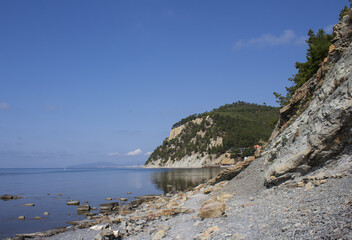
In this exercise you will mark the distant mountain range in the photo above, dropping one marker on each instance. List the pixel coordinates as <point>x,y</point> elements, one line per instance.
<point>95,165</point>
<point>103,165</point>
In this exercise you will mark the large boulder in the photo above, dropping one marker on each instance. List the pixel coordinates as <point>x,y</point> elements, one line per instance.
<point>212,209</point>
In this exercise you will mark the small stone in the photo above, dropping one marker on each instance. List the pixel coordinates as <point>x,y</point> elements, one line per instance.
<point>107,233</point>
<point>166,212</point>
<point>248,204</point>
<point>138,228</point>
<point>21,218</point>
<point>59,194</point>
<point>94,208</point>
<point>159,235</point>
<point>123,224</point>
<point>129,228</point>
<point>108,199</point>
<point>273,178</point>
<point>309,186</point>
<point>99,227</point>
<point>123,199</point>
<point>300,184</point>
<point>251,199</point>
<point>320,176</point>
<point>129,193</point>
<point>297,225</point>
<point>116,233</point>
<point>107,207</point>
<point>310,178</point>
<point>46,213</point>
<point>213,230</point>
<point>292,185</point>
<point>284,229</point>
<point>348,202</point>
<point>323,181</point>
<point>225,196</point>
<point>37,218</point>
<point>207,191</point>
<point>141,222</point>
<point>196,223</point>
<point>83,208</point>
<point>316,183</point>
<point>238,236</point>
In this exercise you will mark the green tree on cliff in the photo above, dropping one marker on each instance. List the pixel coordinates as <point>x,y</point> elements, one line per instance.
<point>318,48</point>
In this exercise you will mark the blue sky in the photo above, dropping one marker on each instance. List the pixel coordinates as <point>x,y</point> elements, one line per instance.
<point>88,81</point>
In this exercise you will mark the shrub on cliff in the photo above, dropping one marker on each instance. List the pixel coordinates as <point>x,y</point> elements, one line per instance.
<point>346,11</point>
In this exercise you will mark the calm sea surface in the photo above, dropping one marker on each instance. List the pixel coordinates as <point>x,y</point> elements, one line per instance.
<point>42,186</point>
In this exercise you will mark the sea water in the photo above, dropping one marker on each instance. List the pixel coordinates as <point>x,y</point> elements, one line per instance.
<point>51,189</point>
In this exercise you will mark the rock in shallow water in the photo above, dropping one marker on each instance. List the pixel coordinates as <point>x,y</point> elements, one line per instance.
<point>83,208</point>
<point>29,205</point>
<point>6,197</point>
<point>107,207</point>
<point>73,203</point>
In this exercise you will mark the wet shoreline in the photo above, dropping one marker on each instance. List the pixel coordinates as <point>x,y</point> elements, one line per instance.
<point>166,181</point>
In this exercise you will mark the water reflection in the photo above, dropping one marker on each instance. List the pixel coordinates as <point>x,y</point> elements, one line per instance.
<point>180,179</point>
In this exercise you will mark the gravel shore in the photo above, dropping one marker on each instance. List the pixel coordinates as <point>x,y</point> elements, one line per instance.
<point>320,211</point>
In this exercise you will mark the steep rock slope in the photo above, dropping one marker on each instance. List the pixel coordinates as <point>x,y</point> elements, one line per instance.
<point>217,137</point>
<point>315,129</point>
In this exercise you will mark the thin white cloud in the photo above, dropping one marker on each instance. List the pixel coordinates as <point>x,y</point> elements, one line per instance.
<point>301,40</point>
<point>286,37</point>
<point>4,106</point>
<point>148,153</point>
<point>113,154</point>
<point>135,152</point>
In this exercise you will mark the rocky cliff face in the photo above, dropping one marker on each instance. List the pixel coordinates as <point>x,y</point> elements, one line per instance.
<point>315,129</point>
<point>194,159</point>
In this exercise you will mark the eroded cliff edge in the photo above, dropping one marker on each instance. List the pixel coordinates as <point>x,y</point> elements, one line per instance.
<point>315,129</point>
